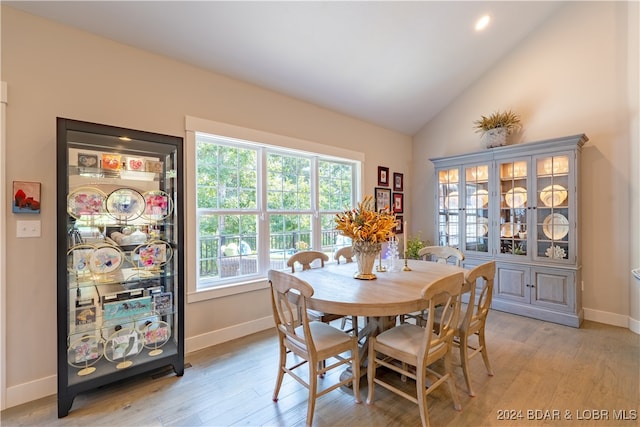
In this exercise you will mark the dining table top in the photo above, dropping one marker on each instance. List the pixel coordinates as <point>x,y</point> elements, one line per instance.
<point>390,294</point>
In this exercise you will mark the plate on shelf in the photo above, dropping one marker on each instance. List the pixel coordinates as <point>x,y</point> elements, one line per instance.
<point>85,201</point>
<point>479,199</point>
<point>482,226</point>
<point>105,259</point>
<point>125,203</point>
<point>555,226</point>
<point>516,197</point>
<point>506,229</point>
<point>451,201</point>
<point>158,205</point>
<point>553,195</point>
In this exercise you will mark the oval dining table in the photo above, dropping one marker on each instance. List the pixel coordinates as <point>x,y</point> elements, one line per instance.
<point>380,300</point>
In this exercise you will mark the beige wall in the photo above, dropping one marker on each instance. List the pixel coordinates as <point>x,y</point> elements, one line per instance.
<point>52,71</point>
<point>577,74</point>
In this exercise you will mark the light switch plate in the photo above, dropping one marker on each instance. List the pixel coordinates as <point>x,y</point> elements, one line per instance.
<point>28,229</point>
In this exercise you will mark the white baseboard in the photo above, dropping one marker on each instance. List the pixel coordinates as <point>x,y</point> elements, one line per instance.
<point>227,334</point>
<point>33,390</point>
<point>612,319</point>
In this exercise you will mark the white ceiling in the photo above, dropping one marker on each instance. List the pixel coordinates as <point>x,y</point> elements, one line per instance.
<point>396,64</point>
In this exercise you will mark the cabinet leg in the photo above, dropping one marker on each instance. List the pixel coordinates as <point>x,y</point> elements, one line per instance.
<point>64,406</point>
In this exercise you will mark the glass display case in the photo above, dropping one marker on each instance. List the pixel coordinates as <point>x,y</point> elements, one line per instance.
<point>518,205</point>
<point>120,255</point>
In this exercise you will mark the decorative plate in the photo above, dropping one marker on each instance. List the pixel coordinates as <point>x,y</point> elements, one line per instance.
<point>516,197</point>
<point>125,203</point>
<point>451,201</point>
<point>152,254</point>
<point>79,258</point>
<point>482,226</point>
<point>86,201</point>
<point>105,259</point>
<point>555,226</point>
<point>479,199</point>
<point>84,352</point>
<point>123,344</point>
<point>158,205</point>
<point>506,229</point>
<point>155,335</point>
<point>553,195</point>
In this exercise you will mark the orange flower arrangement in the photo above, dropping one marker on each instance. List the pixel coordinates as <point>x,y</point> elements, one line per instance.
<point>364,223</point>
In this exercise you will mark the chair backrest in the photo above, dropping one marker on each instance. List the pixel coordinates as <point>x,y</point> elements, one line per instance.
<point>441,254</point>
<point>480,298</point>
<point>289,296</point>
<point>345,252</point>
<point>306,258</point>
<point>444,293</point>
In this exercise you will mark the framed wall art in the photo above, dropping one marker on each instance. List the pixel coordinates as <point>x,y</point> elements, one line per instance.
<point>383,199</point>
<point>400,224</point>
<point>398,181</point>
<point>398,203</point>
<point>383,176</point>
<point>26,197</point>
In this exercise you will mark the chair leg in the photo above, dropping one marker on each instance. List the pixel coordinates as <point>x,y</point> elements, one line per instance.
<point>464,361</point>
<point>448,367</point>
<point>355,370</point>
<point>313,389</point>
<point>281,366</point>
<point>371,370</point>
<point>421,395</point>
<point>485,356</point>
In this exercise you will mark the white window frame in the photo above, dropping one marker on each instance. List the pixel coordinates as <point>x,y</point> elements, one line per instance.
<point>193,125</point>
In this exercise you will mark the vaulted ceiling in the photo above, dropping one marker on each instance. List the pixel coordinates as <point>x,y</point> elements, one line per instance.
<point>392,63</point>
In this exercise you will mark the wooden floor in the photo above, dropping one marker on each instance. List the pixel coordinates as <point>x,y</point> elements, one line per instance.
<point>546,375</point>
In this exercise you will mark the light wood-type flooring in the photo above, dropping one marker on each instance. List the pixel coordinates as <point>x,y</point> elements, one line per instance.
<point>545,375</point>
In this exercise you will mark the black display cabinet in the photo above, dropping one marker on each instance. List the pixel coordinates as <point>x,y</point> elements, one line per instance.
<point>120,258</point>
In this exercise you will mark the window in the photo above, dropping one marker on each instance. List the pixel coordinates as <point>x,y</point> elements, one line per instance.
<point>257,204</point>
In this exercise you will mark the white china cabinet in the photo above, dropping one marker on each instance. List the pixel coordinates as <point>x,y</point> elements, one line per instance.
<point>518,205</point>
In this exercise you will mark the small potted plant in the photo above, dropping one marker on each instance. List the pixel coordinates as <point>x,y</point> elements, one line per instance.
<point>497,127</point>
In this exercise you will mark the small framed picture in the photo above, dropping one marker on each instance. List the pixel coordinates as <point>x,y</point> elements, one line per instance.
<point>398,203</point>
<point>88,160</point>
<point>383,176</point>
<point>399,225</point>
<point>398,181</point>
<point>153,166</point>
<point>26,197</point>
<point>383,199</point>
<point>111,161</point>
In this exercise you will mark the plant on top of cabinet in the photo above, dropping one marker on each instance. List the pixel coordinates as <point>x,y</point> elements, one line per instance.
<point>497,127</point>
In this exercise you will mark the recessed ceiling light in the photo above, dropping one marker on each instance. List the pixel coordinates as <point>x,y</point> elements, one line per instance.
<point>124,138</point>
<point>482,23</point>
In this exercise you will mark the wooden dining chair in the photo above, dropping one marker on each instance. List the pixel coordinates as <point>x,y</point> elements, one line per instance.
<point>345,252</point>
<point>311,341</point>
<point>479,282</point>
<point>420,347</point>
<point>306,259</point>
<point>442,255</point>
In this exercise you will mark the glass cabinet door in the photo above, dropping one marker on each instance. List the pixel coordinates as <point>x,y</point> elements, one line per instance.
<point>449,207</point>
<point>553,216</point>
<point>513,218</point>
<point>476,212</point>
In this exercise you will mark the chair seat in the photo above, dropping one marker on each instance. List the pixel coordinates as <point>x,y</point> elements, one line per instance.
<point>325,336</point>
<point>407,337</point>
